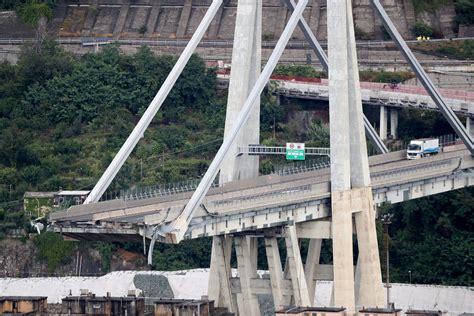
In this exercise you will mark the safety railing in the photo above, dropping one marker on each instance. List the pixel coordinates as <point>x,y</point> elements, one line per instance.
<point>279,150</point>
<point>411,169</point>
<point>147,192</point>
<point>294,167</point>
<point>385,87</point>
<point>302,166</point>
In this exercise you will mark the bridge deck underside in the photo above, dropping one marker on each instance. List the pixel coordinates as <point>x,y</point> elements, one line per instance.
<point>267,201</point>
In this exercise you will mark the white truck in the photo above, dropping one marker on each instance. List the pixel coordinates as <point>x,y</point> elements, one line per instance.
<point>419,148</point>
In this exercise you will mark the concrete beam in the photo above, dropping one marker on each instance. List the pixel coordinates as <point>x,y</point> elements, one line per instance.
<point>320,229</point>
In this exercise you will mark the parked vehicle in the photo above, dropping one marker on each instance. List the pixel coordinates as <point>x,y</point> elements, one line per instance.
<point>419,148</point>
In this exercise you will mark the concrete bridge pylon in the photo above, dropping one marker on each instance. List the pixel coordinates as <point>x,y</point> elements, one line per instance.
<point>245,69</point>
<point>351,193</point>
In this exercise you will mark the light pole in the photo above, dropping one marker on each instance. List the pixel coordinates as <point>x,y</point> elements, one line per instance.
<point>409,274</point>
<point>386,221</point>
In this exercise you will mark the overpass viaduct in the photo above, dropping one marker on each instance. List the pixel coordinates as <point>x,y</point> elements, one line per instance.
<point>390,98</point>
<point>336,202</point>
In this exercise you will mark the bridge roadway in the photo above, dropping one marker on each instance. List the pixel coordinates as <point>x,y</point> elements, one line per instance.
<point>267,201</point>
<point>402,96</point>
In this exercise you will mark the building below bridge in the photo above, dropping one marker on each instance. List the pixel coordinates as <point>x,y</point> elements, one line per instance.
<point>23,305</point>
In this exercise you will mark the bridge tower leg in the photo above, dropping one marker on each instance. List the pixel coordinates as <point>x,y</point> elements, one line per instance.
<point>245,69</point>
<point>351,194</point>
<point>246,66</point>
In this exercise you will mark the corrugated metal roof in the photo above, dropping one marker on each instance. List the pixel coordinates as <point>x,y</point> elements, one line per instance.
<point>39,194</point>
<point>77,192</point>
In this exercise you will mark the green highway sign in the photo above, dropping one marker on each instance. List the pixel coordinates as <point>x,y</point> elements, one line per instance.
<point>295,151</point>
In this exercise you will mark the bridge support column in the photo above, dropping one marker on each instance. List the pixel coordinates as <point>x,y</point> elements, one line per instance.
<point>393,122</point>
<point>312,261</point>
<point>350,177</point>
<point>369,291</point>
<point>275,270</point>
<point>295,265</point>
<point>248,303</point>
<point>219,289</point>
<point>469,126</point>
<point>383,122</point>
<point>344,291</point>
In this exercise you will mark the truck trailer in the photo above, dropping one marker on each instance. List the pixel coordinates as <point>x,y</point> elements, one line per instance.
<point>419,148</point>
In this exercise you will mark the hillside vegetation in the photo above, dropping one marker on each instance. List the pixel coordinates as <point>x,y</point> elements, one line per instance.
<point>62,119</point>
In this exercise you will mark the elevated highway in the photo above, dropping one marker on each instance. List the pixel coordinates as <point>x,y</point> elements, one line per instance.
<point>398,96</point>
<point>267,201</point>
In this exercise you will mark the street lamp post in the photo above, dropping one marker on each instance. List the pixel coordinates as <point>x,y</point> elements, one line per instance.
<point>386,221</point>
<point>409,274</point>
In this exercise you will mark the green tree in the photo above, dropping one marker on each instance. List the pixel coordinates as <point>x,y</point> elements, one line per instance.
<point>465,12</point>
<point>318,134</point>
<point>53,249</point>
<point>421,29</point>
<point>31,12</point>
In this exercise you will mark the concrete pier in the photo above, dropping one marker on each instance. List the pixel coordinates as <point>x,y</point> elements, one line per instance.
<point>350,178</point>
<point>393,122</point>
<point>383,123</point>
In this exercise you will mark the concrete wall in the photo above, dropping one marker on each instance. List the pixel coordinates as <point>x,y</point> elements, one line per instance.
<point>192,284</point>
<point>456,79</point>
<point>179,19</point>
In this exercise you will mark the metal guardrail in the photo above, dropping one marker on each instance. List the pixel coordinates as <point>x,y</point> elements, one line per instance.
<point>263,195</point>
<point>303,167</point>
<point>295,167</point>
<point>279,150</point>
<point>140,193</point>
<point>390,173</point>
<point>301,189</point>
